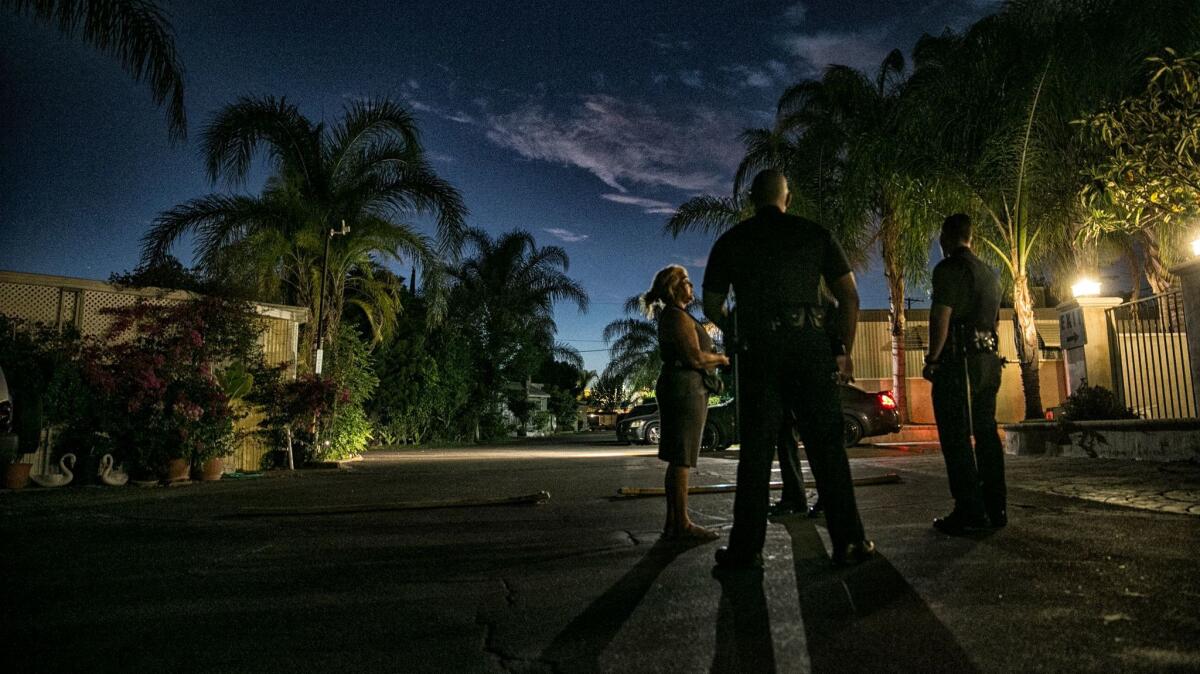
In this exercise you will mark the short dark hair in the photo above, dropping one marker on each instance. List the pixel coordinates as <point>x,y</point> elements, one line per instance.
<point>767,187</point>
<point>957,228</point>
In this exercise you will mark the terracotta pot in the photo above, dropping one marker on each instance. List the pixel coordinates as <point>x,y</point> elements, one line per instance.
<point>16,475</point>
<point>176,470</point>
<point>212,470</point>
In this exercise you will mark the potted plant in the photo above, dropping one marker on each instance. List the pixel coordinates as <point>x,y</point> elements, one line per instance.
<point>16,470</point>
<point>224,406</point>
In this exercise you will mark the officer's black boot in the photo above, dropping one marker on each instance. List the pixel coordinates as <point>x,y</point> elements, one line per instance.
<point>961,522</point>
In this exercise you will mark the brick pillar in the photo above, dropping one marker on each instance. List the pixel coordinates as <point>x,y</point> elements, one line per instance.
<point>1084,333</point>
<point>1189,277</point>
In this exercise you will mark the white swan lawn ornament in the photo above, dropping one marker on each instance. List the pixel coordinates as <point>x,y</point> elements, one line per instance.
<point>58,480</point>
<point>110,476</point>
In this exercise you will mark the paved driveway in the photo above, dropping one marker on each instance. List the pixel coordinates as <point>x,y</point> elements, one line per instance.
<point>221,577</point>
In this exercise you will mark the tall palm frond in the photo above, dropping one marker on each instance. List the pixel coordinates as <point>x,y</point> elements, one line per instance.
<point>136,32</point>
<point>368,171</point>
<point>706,214</point>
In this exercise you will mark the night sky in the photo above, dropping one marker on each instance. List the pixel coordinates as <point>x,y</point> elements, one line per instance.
<point>585,123</point>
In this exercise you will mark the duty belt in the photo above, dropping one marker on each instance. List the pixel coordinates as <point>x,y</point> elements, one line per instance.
<point>974,340</point>
<point>799,318</point>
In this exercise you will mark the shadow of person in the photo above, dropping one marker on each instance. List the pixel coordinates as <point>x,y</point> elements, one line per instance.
<point>866,617</point>
<point>743,642</point>
<point>579,645</point>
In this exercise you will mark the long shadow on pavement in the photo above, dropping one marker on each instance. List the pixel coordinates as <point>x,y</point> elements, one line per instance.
<point>579,645</point>
<point>868,617</point>
<point>743,642</point>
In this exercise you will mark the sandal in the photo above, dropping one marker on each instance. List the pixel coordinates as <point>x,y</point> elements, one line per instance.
<point>696,534</point>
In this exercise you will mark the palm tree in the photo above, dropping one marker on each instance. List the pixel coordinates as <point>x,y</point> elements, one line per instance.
<point>838,139</point>
<point>633,344</point>
<point>136,32</point>
<point>633,347</point>
<point>998,104</point>
<point>368,171</point>
<point>608,391</point>
<point>503,299</point>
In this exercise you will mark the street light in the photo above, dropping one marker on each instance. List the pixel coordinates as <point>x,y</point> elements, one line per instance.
<point>321,302</point>
<point>1086,287</point>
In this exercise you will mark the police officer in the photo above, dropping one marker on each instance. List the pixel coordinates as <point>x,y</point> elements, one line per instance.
<point>965,371</point>
<point>774,263</point>
<point>793,499</point>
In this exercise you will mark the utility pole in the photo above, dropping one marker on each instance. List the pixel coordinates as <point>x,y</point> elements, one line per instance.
<point>321,301</point>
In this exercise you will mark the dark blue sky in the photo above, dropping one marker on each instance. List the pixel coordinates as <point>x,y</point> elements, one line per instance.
<point>583,122</point>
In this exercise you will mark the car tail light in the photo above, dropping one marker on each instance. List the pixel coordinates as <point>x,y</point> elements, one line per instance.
<point>1049,415</point>
<point>886,401</point>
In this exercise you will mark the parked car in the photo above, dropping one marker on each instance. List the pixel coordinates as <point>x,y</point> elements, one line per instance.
<point>630,433</point>
<point>864,414</point>
<point>646,427</point>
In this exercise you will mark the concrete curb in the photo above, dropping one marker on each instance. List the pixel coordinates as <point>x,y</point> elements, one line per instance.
<point>1148,440</point>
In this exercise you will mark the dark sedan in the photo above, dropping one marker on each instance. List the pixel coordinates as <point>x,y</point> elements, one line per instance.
<point>864,414</point>
<point>628,432</point>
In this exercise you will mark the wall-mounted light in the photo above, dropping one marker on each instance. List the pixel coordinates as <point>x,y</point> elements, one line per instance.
<point>1196,247</point>
<point>1086,287</point>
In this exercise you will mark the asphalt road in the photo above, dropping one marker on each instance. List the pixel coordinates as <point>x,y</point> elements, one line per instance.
<point>323,571</point>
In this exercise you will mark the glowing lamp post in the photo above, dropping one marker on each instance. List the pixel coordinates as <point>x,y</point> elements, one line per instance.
<point>1086,287</point>
<point>1196,247</point>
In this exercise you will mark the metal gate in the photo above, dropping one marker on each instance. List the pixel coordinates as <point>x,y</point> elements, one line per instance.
<point>1152,372</point>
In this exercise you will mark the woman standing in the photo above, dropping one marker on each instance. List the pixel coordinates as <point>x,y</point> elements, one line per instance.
<point>682,398</point>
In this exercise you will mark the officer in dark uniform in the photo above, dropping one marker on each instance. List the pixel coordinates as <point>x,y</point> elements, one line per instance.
<point>790,360</point>
<point>965,371</point>
<point>793,499</point>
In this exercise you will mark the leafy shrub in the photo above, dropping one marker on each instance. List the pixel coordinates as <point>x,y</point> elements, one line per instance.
<point>1094,403</point>
<point>157,374</point>
<point>346,430</point>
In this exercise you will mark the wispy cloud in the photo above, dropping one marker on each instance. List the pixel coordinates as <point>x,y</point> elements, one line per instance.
<point>745,76</point>
<point>460,117</point>
<point>796,13</point>
<point>668,43</point>
<point>689,261</point>
<point>864,50</point>
<point>566,235</point>
<point>694,149</point>
<point>653,206</point>
<point>692,78</point>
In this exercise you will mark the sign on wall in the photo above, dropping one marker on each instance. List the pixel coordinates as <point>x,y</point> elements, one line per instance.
<point>1071,330</point>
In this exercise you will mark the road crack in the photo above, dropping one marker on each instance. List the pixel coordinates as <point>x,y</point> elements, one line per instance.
<point>500,656</point>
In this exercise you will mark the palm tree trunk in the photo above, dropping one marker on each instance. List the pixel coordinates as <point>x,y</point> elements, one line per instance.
<point>1161,281</point>
<point>1027,347</point>
<point>1156,272</point>
<point>895,281</point>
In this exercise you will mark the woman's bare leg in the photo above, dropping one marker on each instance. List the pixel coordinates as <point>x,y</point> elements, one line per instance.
<point>670,528</point>
<point>678,494</point>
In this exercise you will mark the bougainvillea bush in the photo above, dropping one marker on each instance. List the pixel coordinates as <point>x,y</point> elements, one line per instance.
<point>158,369</point>
<point>322,417</point>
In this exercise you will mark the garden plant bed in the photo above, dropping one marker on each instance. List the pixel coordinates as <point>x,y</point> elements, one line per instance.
<point>1151,440</point>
